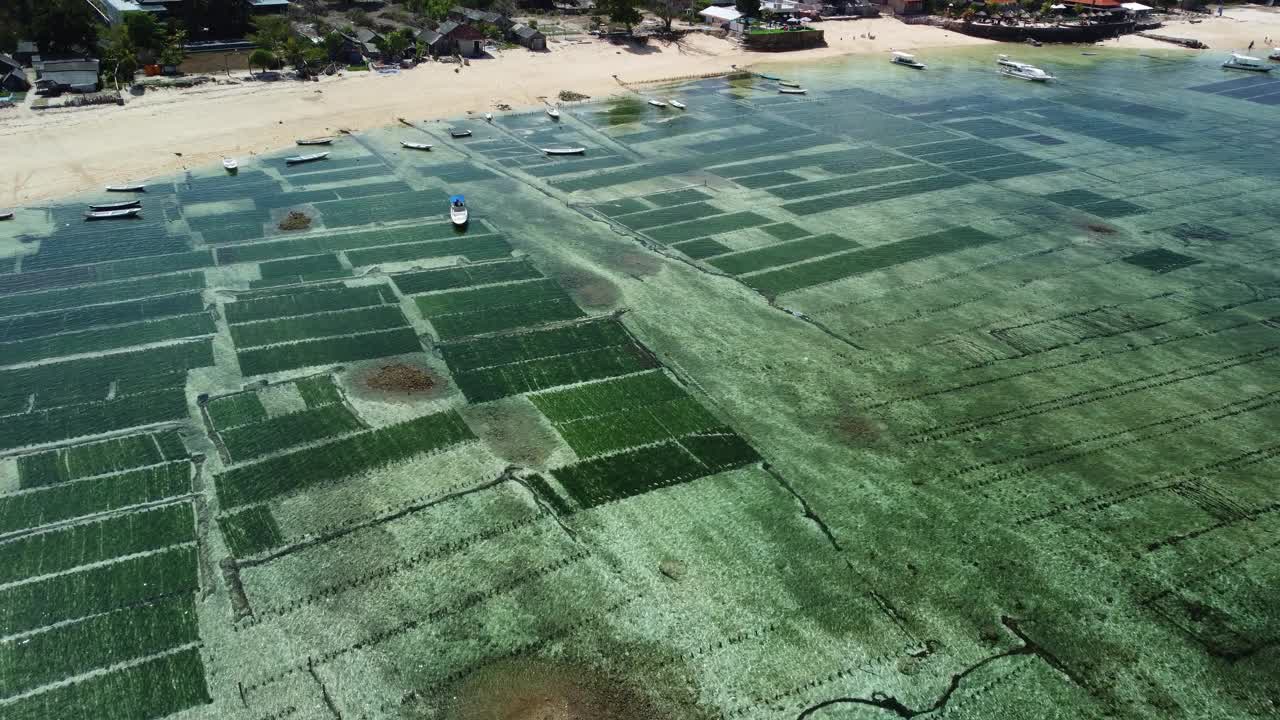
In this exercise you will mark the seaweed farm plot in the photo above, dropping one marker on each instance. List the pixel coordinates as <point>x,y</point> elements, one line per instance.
<point>308,326</point>
<point>307,411</point>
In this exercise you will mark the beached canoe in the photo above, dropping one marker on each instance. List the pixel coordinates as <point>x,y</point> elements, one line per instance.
<point>126,188</point>
<point>792,91</point>
<point>315,141</point>
<point>459,132</point>
<point>657,103</point>
<point>677,104</point>
<point>458,212</point>
<point>231,165</point>
<point>554,113</point>
<point>414,145</point>
<point>299,159</point>
<point>788,83</point>
<point>6,214</point>
<point>102,207</point>
<point>112,214</point>
<point>564,151</point>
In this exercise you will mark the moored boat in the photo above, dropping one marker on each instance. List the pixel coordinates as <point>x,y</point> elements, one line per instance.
<point>1275,54</point>
<point>792,91</point>
<point>459,132</point>
<point>112,214</point>
<point>1022,71</point>
<point>299,159</point>
<point>554,113</point>
<point>6,214</point>
<point>564,151</point>
<point>677,104</point>
<point>315,141</point>
<point>116,206</point>
<point>231,165</point>
<point>126,188</point>
<point>657,103</point>
<point>458,213</point>
<point>488,117</point>
<point>788,83</point>
<point>906,60</point>
<point>1246,62</point>
<point>414,145</point>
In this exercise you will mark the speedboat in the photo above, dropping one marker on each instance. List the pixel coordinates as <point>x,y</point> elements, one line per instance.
<point>1246,62</point>
<point>657,103</point>
<point>458,210</point>
<point>117,206</point>
<point>564,151</point>
<point>677,104</point>
<point>414,145</point>
<point>459,132</point>
<point>1022,71</point>
<point>315,141</point>
<point>126,188</point>
<point>231,165</point>
<point>554,113</point>
<point>906,59</point>
<point>112,214</point>
<point>299,159</point>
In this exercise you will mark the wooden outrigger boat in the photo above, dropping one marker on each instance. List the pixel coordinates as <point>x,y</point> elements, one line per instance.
<point>299,159</point>
<point>657,103</point>
<point>315,141</point>
<point>459,132</point>
<point>126,188</point>
<point>103,207</point>
<point>788,83</point>
<point>792,91</point>
<point>414,145</point>
<point>554,113</point>
<point>112,214</point>
<point>564,151</point>
<point>677,104</point>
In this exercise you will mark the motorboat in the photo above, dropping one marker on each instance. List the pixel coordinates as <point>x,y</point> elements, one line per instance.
<point>414,145</point>
<point>677,104</point>
<point>6,214</point>
<point>906,60</point>
<point>299,159</point>
<point>788,83</point>
<point>488,117</point>
<point>459,132</point>
<point>231,165</point>
<point>112,214</point>
<point>1246,62</point>
<point>315,141</point>
<point>116,206</point>
<point>792,91</point>
<point>1275,54</point>
<point>126,188</point>
<point>564,151</point>
<point>554,113</point>
<point>657,103</point>
<point>458,210</point>
<point>1022,71</point>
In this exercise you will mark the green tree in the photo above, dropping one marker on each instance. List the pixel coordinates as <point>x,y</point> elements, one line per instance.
<point>145,32</point>
<point>120,55</point>
<point>64,26</point>
<point>174,51</point>
<point>622,11</point>
<point>393,44</point>
<point>667,10</point>
<point>270,32</point>
<point>434,10</point>
<point>333,43</point>
<point>261,58</point>
<point>749,8</point>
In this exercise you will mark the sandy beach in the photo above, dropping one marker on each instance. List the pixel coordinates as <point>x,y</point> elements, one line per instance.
<point>58,152</point>
<point>1232,32</point>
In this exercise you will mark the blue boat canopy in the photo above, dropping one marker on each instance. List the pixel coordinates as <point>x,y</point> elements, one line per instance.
<point>457,199</point>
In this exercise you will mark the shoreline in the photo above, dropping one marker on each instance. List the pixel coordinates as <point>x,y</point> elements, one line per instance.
<point>59,152</point>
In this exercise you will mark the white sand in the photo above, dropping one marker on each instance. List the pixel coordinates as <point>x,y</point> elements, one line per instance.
<point>57,152</point>
<point>1232,32</point>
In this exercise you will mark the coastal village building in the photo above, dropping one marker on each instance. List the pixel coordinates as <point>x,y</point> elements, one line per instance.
<point>463,39</point>
<point>234,11</point>
<point>56,76</point>
<point>12,78</point>
<point>719,17</point>
<point>432,43</point>
<point>528,37</point>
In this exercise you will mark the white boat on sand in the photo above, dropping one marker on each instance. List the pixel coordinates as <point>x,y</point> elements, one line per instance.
<point>126,188</point>
<point>230,164</point>
<point>414,145</point>
<point>906,60</point>
<point>315,141</point>
<point>564,151</point>
<point>1246,62</point>
<point>6,214</point>
<point>112,214</point>
<point>1022,71</point>
<point>299,159</point>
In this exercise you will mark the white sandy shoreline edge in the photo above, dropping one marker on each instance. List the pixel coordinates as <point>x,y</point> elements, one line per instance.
<point>54,153</point>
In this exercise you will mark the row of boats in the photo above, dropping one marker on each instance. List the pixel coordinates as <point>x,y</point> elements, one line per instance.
<point>1026,71</point>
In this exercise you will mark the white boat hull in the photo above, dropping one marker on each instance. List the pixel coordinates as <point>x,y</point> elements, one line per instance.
<point>107,207</point>
<point>657,103</point>
<point>6,214</point>
<point>553,114</point>
<point>459,217</point>
<point>564,151</point>
<point>112,214</point>
<point>315,141</point>
<point>414,145</point>
<point>677,105</point>
<point>126,188</point>
<point>792,91</point>
<point>230,165</point>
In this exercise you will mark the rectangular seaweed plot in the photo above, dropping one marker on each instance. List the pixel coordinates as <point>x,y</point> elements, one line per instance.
<point>285,431</point>
<point>502,319</point>
<point>1161,260</point>
<point>876,194</point>
<point>101,293</point>
<point>817,272</point>
<point>80,461</point>
<point>602,398</point>
<point>235,410</point>
<point>702,248</point>
<point>667,215</point>
<point>21,327</point>
<point>650,423</point>
<point>100,589</point>
<point>257,482</point>
<point>422,281</point>
<point>308,265</point>
<point>86,497</point>
<point>105,272</point>
<point>67,548</point>
<point>328,351</point>
<point>107,338</point>
<point>251,531</point>
<point>304,302</point>
<point>306,327</point>
<point>318,391</point>
<point>782,254</point>
<point>521,347</point>
<point>709,226</point>
<point>153,689</point>
<point>475,248</point>
<point>73,421</point>
<point>545,373</point>
<point>97,642</point>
